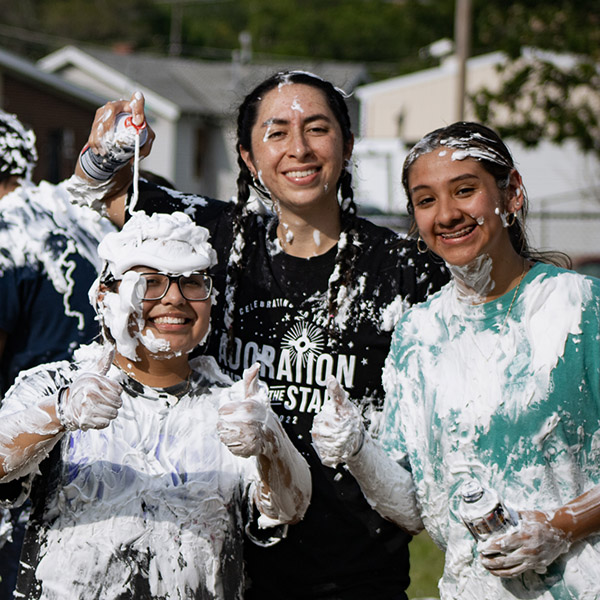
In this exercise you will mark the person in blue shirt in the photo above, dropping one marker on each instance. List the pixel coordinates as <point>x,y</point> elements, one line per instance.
<point>48,261</point>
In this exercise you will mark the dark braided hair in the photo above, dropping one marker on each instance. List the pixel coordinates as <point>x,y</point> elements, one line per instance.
<point>347,247</point>
<point>484,145</point>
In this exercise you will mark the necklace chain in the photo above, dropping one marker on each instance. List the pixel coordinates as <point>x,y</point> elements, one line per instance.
<point>512,302</point>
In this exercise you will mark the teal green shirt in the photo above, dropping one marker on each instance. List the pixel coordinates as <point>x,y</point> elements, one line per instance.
<point>507,392</point>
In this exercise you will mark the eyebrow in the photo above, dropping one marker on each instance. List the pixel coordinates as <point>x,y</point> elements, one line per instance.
<point>309,119</point>
<point>453,180</point>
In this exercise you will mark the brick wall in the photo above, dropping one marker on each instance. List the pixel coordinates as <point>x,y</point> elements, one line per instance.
<point>61,124</point>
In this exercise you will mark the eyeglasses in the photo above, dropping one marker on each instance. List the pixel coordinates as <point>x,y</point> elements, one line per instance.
<point>193,287</point>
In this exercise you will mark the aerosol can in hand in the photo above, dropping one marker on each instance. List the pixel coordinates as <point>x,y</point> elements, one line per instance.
<point>103,167</point>
<point>483,511</point>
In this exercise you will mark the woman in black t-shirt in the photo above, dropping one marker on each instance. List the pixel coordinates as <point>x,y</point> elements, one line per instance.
<point>309,290</point>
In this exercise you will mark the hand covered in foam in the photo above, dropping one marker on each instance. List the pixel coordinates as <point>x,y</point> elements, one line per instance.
<point>242,424</point>
<point>105,137</point>
<point>91,401</point>
<point>533,545</point>
<point>338,430</point>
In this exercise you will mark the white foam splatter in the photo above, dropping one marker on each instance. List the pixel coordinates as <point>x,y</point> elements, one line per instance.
<point>297,106</point>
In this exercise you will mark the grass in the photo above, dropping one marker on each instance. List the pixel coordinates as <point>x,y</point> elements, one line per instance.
<point>426,565</point>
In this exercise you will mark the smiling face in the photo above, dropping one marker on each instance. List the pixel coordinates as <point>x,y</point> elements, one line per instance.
<point>148,330</point>
<point>297,148</point>
<point>174,320</point>
<point>458,207</point>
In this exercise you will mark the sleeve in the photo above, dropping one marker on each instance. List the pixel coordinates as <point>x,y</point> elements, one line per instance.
<point>261,536</point>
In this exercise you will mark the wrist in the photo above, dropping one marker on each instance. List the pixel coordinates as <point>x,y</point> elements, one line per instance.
<point>59,406</point>
<point>360,444</point>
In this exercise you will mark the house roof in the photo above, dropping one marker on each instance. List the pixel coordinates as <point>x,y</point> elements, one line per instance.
<point>184,85</point>
<point>24,69</point>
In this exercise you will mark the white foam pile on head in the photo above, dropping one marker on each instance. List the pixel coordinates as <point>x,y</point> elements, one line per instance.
<point>170,243</point>
<point>17,147</point>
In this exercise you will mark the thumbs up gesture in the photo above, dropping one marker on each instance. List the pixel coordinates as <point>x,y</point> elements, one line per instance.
<point>92,400</point>
<point>338,430</point>
<point>242,424</point>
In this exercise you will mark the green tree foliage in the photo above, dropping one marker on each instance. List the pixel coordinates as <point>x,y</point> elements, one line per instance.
<point>36,27</point>
<point>553,95</point>
<point>541,97</point>
<point>385,33</point>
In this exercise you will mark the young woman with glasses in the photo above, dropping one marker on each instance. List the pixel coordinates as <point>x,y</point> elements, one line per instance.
<point>139,460</point>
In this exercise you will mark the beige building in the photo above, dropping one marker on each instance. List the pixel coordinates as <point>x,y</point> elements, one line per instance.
<point>563,183</point>
<point>409,106</point>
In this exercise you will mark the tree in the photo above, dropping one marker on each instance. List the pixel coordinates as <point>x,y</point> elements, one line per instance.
<point>550,86</point>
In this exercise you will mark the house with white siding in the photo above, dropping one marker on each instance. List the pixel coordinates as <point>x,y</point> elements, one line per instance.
<point>563,182</point>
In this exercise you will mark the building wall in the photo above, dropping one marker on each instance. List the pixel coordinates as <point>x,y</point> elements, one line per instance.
<point>410,106</point>
<point>61,125</point>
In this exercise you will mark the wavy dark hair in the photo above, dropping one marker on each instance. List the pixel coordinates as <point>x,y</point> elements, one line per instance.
<point>344,272</point>
<point>484,145</point>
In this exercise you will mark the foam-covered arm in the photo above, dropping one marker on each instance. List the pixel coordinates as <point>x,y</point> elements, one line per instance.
<point>90,401</point>
<point>27,437</point>
<point>387,486</point>
<point>540,538</point>
<point>248,427</point>
<point>100,179</point>
<point>339,436</point>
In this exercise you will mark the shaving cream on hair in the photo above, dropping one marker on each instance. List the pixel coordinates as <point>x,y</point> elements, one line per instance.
<point>170,243</point>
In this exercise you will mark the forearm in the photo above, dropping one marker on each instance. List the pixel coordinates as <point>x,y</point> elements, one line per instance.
<point>386,485</point>
<point>105,197</point>
<point>580,517</point>
<point>284,488</point>
<point>26,438</point>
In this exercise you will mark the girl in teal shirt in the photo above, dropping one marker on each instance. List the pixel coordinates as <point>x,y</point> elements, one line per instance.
<point>494,378</point>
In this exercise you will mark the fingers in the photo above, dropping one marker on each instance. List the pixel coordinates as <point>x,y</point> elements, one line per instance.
<point>242,422</point>
<point>106,360</point>
<point>338,430</point>
<point>240,428</point>
<point>532,546</point>
<point>105,118</point>
<point>506,565</point>
<point>335,390</point>
<point>251,380</point>
<point>98,390</point>
<point>91,402</point>
<point>136,107</point>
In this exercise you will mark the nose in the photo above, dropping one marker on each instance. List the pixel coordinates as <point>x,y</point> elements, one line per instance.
<point>299,146</point>
<point>448,213</point>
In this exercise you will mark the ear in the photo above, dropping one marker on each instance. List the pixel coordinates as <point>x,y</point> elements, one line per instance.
<point>515,198</point>
<point>247,158</point>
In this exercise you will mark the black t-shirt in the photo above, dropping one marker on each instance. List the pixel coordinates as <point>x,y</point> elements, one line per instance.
<point>342,548</point>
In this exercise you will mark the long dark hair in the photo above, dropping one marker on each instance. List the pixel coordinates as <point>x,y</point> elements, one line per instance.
<point>343,274</point>
<point>484,145</point>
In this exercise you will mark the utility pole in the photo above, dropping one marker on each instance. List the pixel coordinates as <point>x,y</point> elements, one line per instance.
<point>462,41</point>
